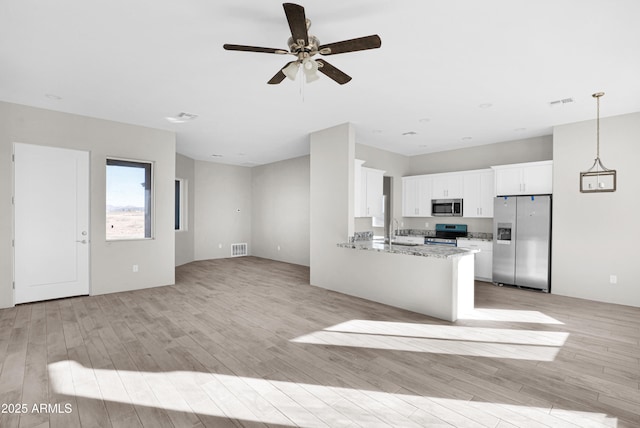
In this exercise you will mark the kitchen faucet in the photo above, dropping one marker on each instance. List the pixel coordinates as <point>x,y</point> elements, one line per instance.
<point>394,231</point>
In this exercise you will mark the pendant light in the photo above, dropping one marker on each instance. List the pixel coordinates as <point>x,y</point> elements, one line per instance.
<point>598,178</point>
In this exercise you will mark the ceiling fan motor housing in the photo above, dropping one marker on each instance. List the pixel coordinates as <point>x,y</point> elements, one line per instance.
<point>311,48</point>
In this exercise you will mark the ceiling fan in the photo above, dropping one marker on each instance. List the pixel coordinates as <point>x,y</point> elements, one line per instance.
<point>304,46</point>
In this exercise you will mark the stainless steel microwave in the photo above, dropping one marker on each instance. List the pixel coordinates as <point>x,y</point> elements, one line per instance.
<point>446,207</point>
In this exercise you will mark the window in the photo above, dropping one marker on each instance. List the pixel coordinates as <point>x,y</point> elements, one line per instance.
<point>128,199</point>
<point>180,204</point>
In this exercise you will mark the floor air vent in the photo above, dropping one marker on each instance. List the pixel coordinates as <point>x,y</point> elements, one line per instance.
<point>238,250</point>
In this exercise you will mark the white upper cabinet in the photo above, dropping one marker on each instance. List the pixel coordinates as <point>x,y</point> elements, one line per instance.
<point>447,186</point>
<point>478,193</point>
<point>374,200</point>
<point>368,183</point>
<point>416,196</point>
<point>533,178</point>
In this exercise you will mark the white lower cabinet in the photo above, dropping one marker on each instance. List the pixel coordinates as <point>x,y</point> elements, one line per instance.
<point>483,260</point>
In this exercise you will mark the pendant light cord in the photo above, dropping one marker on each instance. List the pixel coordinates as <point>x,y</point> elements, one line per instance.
<point>598,128</point>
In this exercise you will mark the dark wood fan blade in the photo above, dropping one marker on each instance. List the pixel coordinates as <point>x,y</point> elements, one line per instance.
<point>280,76</point>
<point>254,49</point>
<point>332,72</point>
<point>359,44</point>
<point>297,22</point>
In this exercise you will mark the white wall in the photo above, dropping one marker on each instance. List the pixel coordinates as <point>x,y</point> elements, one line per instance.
<point>331,202</point>
<point>185,170</point>
<point>280,210</point>
<point>595,235</point>
<point>111,262</point>
<point>222,209</point>
<point>516,151</point>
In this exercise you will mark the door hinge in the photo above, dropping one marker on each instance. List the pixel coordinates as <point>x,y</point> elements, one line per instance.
<point>13,157</point>
<point>14,285</point>
<point>13,242</point>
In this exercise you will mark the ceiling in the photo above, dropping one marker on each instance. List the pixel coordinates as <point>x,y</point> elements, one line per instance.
<point>449,74</point>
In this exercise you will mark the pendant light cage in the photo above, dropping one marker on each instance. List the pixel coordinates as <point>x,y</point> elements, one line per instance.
<point>598,178</point>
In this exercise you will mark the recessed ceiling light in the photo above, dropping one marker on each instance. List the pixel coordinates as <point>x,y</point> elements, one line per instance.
<point>485,105</point>
<point>215,155</point>
<point>467,138</point>
<point>424,120</point>
<point>410,133</point>
<point>53,97</point>
<point>182,117</point>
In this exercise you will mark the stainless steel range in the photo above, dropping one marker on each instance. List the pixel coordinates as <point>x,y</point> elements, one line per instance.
<point>446,234</point>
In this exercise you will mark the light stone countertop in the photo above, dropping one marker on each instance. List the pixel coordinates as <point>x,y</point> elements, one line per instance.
<point>438,251</point>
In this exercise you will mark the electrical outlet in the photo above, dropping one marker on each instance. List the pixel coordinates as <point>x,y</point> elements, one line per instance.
<point>219,245</point>
<point>426,224</point>
<point>613,279</point>
<point>135,268</point>
<point>278,247</point>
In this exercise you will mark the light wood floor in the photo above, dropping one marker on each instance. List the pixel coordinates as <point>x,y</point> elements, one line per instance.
<point>248,342</point>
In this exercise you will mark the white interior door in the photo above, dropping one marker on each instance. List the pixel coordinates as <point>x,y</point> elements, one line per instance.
<point>51,222</point>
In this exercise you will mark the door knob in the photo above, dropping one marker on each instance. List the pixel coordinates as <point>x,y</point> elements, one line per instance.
<point>84,241</point>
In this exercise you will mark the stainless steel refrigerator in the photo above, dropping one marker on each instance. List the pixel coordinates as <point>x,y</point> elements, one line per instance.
<point>522,241</point>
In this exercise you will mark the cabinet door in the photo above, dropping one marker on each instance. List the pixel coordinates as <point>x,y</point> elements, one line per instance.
<point>537,179</point>
<point>478,194</point>
<point>424,197</point>
<point>374,191</point>
<point>416,196</point>
<point>410,190</point>
<point>358,193</point>
<point>472,190</point>
<point>455,186</point>
<point>439,187</point>
<point>508,181</point>
<point>486,194</point>
<point>483,263</point>
<point>447,186</point>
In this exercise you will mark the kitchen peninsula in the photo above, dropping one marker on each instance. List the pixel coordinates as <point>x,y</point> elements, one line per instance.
<point>434,280</point>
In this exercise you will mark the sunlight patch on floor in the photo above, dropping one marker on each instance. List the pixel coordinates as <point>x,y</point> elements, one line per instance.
<point>434,346</point>
<point>508,315</point>
<point>441,339</point>
<point>293,403</point>
<point>434,331</point>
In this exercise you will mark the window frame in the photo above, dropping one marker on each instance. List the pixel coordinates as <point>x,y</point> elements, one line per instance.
<point>180,204</point>
<point>149,197</point>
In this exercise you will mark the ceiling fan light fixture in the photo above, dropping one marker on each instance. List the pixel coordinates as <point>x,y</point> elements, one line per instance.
<point>311,77</point>
<point>310,67</point>
<point>291,70</point>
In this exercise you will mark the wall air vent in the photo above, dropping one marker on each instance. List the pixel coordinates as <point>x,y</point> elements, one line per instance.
<point>238,250</point>
<point>561,102</point>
